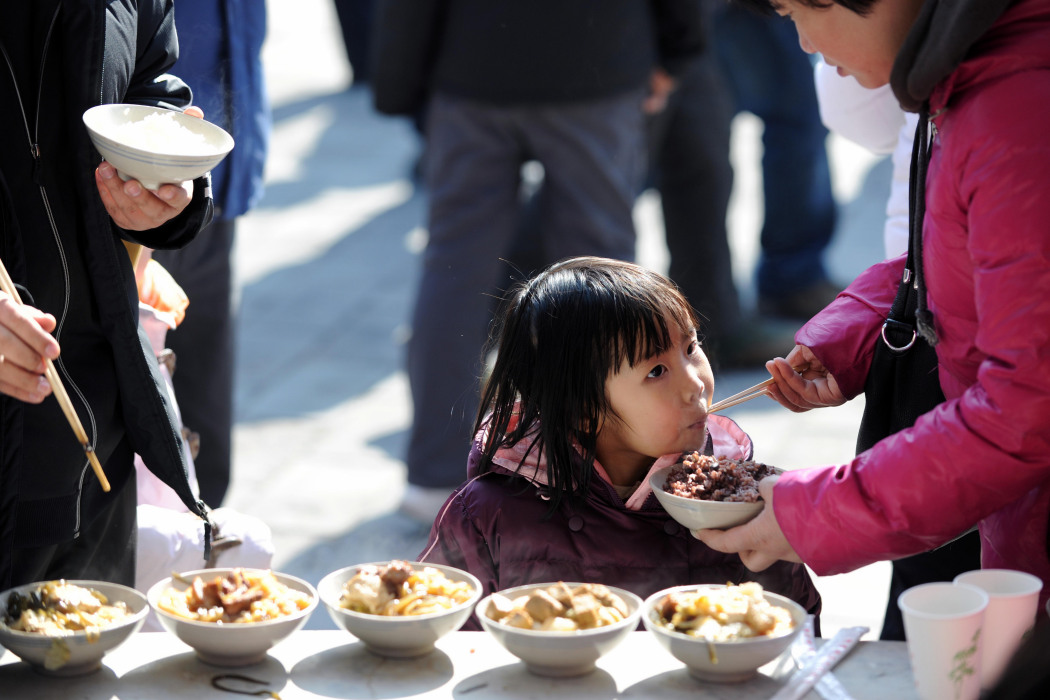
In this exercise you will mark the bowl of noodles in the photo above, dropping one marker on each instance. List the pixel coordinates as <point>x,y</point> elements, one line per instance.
<point>723,633</point>
<point>560,629</point>
<point>64,628</point>
<point>232,616</point>
<point>399,608</point>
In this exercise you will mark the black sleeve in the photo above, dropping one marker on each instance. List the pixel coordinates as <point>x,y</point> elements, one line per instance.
<point>404,47</point>
<point>679,32</point>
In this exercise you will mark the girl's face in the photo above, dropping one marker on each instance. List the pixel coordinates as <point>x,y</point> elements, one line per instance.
<point>659,407</point>
<point>864,46</point>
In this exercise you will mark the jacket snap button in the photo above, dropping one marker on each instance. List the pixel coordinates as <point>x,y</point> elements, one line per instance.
<point>576,523</point>
<point>671,527</point>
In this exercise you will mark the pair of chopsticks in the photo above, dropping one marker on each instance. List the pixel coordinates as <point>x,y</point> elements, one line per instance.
<point>59,390</point>
<point>745,395</point>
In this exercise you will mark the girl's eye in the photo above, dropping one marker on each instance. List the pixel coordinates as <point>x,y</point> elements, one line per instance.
<point>694,347</point>
<point>657,371</point>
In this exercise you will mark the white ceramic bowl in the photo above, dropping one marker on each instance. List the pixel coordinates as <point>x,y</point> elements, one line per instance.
<point>721,662</point>
<point>560,654</point>
<point>85,655</point>
<point>696,514</point>
<point>152,167</point>
<point>237,644</point>
<point>397,636</point>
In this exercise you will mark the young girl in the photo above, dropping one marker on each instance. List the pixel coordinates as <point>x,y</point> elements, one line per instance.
<point>599,379</point>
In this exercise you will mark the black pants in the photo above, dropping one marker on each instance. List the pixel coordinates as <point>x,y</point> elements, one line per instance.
<point>103,551</point>
<point>942,564</point>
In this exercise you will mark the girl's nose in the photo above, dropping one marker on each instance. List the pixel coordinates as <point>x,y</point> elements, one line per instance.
<point>694,389</point>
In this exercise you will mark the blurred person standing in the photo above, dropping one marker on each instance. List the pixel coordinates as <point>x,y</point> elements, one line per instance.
<point>770,76</point>
<point>562,83</point>
<point>690,167</point>
<point>220,59</point>
<point>64,216</point>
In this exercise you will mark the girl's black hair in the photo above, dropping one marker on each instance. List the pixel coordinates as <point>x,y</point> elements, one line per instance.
<point>561,336</point>
<point>768,7</point>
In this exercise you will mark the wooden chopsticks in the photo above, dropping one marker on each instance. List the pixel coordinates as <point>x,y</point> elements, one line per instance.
<point>59,390</point>
<point>745,395</point>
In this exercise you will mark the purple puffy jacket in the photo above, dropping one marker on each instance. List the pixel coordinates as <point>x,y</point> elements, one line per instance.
<point>983,456</point>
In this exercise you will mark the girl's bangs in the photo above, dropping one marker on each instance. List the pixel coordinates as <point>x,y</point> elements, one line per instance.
<point>649,323</point>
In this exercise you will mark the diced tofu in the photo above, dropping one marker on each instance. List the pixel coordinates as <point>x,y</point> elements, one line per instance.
<point>586,611</point>
<point>519,618</point>
<point>542,606</point>
<point>500,606</point>
<point>561,593</point>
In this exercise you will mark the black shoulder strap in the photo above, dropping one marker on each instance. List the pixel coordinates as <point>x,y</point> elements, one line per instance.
<point>909,315</point>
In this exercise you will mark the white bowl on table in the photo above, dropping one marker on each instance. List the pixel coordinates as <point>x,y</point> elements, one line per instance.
<point>154,163</point>
<point>397,636</point>
<point>85,651</point>
<point>697,514</point>
<point>230,644</point>
<point>559,654</point>
<point>727,661</point>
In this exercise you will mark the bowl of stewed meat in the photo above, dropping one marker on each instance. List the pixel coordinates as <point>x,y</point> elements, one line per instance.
<point>707,492</point>
<point>232,616</point>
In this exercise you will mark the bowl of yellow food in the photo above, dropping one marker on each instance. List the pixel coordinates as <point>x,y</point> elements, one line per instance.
<point>705,492</point>
<point>560,629</point>
<point>155,145</point>
<point>64,628</point>
<point>232,616</point>
<point>723,633</point>
<point>399,608</point>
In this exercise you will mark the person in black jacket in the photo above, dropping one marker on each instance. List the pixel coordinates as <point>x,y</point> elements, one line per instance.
<point>63,217</point>
<point>505,82</point>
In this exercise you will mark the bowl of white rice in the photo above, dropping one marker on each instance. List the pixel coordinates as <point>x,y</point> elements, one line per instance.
<point>155,145</point>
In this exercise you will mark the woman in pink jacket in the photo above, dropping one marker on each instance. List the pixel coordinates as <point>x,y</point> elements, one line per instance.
<point>983,456</point>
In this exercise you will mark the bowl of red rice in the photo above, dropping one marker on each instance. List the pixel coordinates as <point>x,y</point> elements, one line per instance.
<point>703,492</point>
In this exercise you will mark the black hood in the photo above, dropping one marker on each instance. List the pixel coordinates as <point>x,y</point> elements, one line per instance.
<point>942,34</point>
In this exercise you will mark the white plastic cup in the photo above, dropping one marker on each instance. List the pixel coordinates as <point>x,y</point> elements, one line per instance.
<point>942,623</point>
<point>1013,600</point>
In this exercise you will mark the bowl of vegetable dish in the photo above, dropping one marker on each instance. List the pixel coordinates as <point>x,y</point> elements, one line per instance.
<point>64,628</point>
<point>232,617</point>
<point>722,633</point>
<point>560,629</point>
<point>399,608</point>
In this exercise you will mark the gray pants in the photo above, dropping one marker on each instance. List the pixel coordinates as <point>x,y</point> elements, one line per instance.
<point>593,154</point>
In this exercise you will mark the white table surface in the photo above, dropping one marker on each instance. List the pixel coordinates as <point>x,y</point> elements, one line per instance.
<point>332,664</point>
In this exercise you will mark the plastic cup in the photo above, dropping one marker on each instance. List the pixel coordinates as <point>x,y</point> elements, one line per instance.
<point>942,623</point>
<point>1013,600</point>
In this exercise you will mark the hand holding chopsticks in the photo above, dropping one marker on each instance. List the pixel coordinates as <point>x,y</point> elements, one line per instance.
<point>59,390</point>
<point>760,389</point>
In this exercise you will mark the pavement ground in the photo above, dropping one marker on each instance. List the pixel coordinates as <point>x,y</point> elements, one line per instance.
<point>326,269</point>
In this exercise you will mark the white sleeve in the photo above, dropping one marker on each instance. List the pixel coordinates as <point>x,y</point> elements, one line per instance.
<point>895,234</point>
<point>871,118</point>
